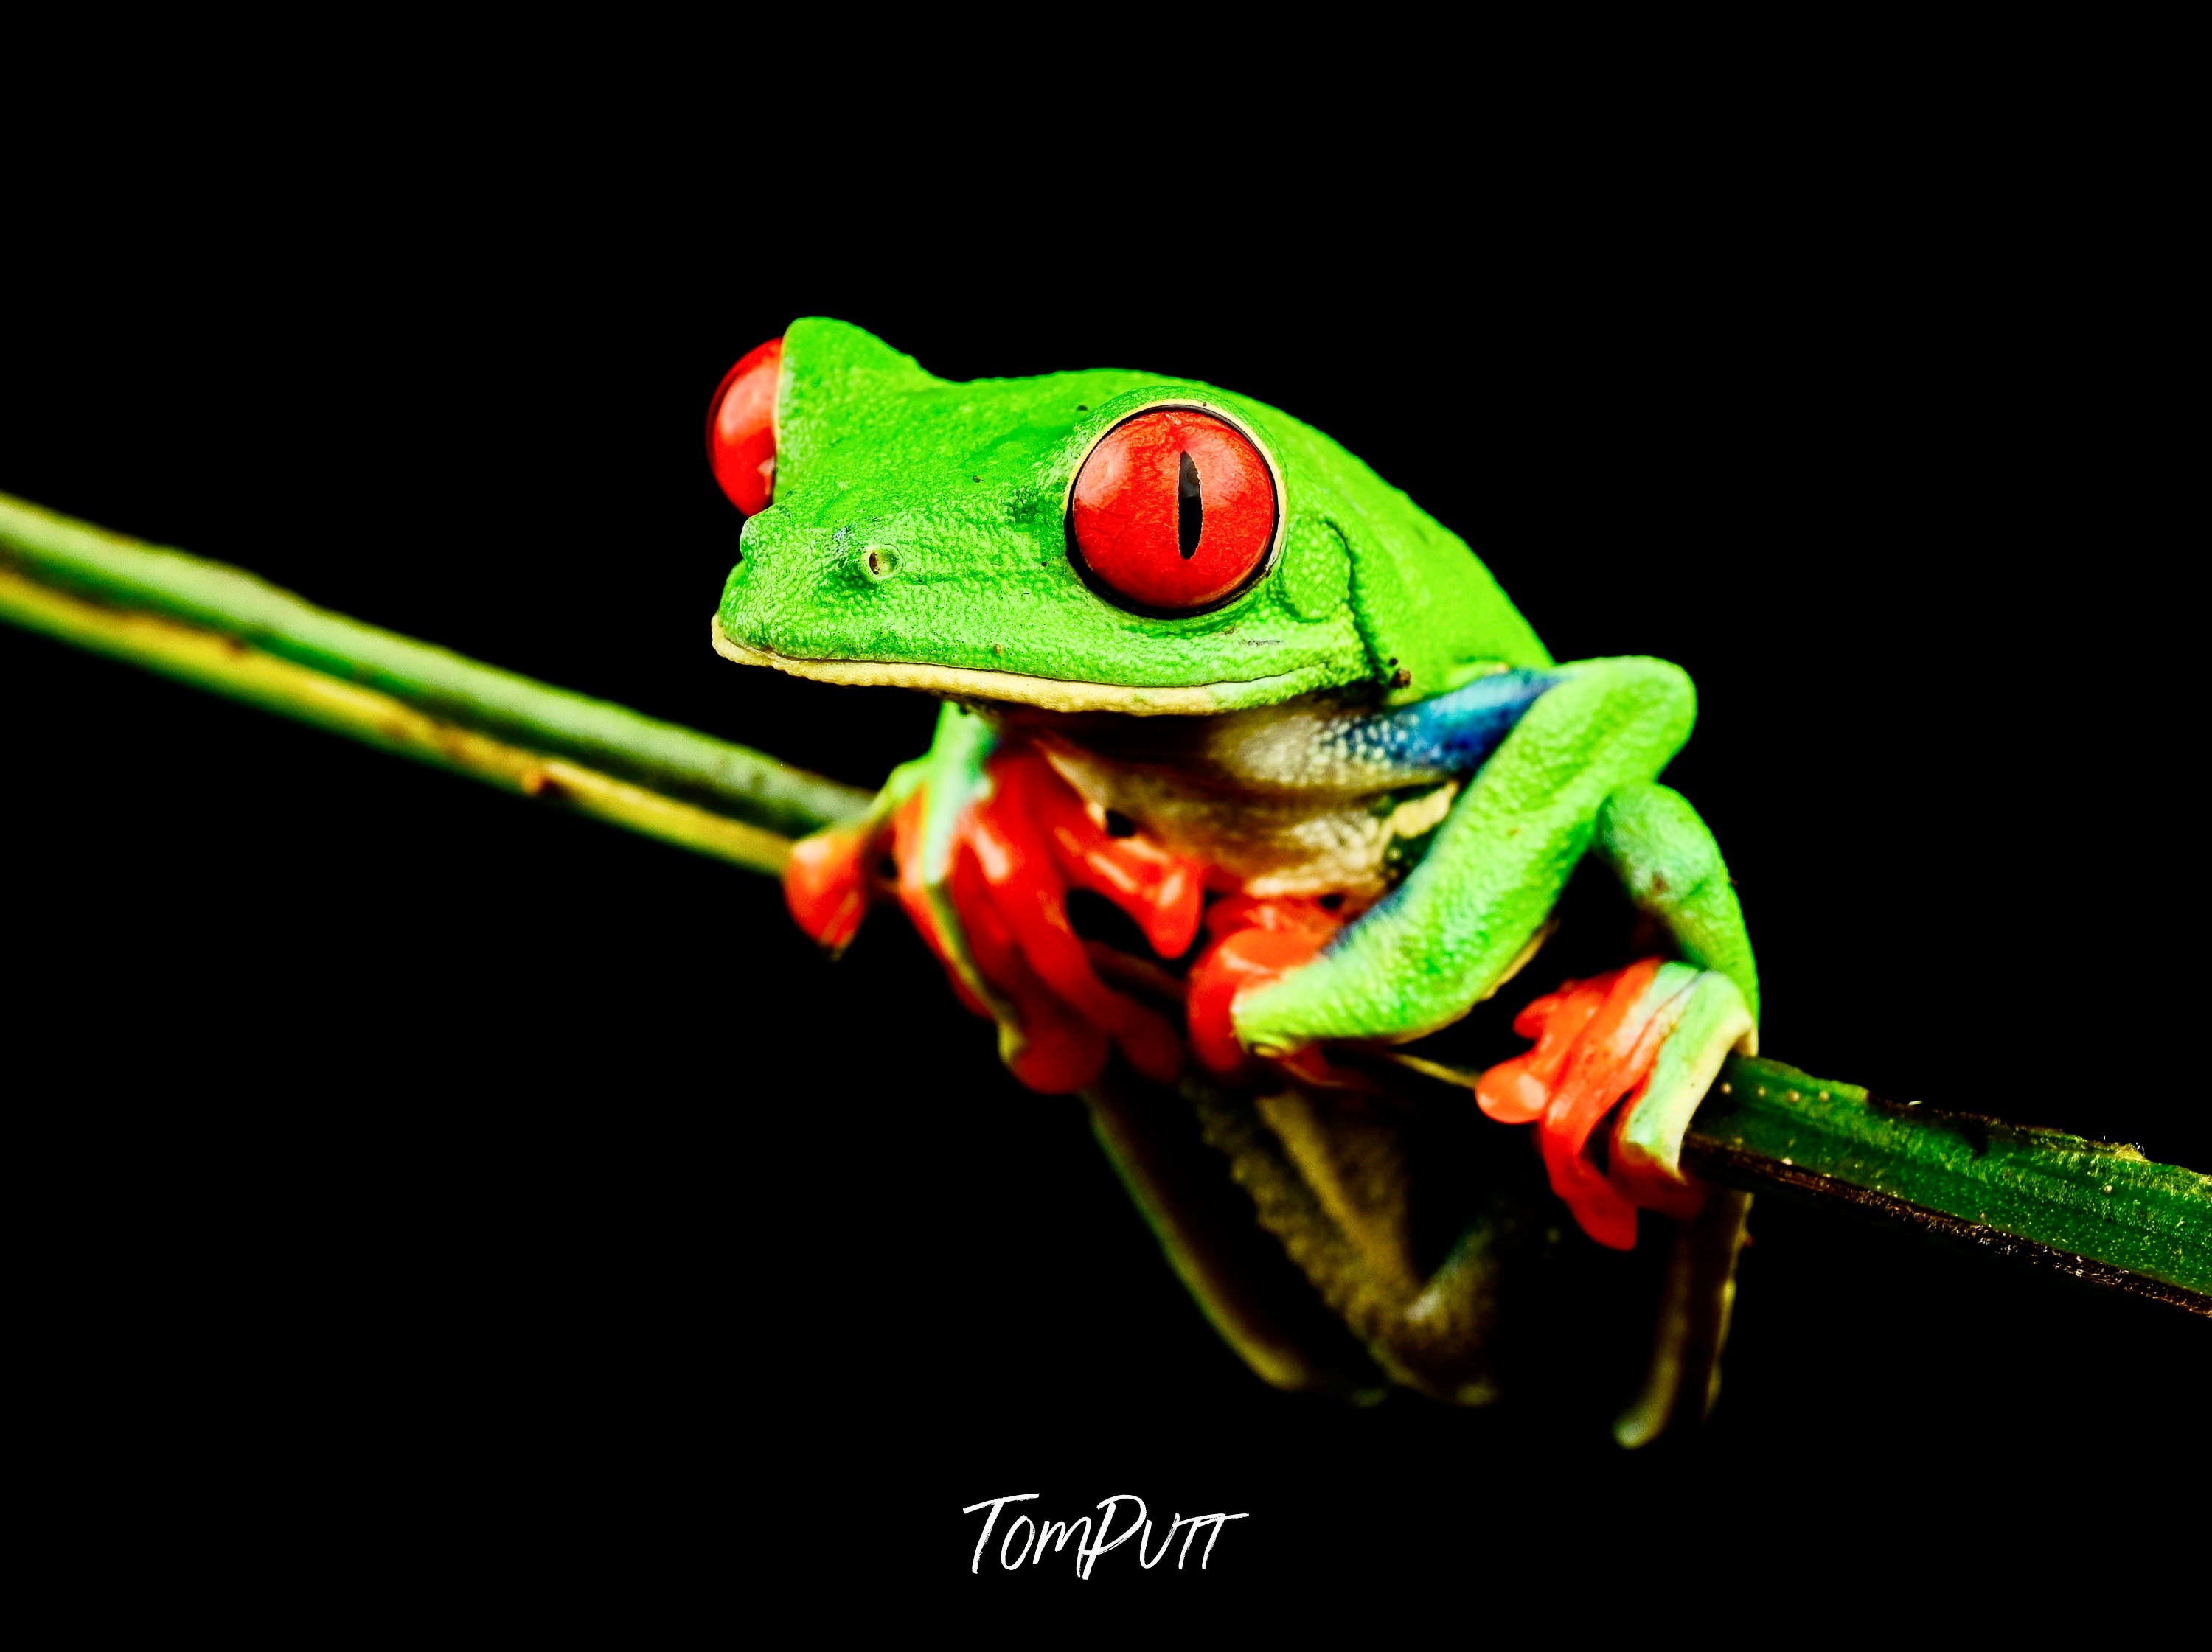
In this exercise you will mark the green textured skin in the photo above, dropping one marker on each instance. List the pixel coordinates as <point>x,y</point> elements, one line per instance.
<point>966,485</point>
<point>1712,1021</point>
<point>1671,867</point>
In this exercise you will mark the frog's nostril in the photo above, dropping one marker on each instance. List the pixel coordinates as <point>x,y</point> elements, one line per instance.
<point>881,561</point>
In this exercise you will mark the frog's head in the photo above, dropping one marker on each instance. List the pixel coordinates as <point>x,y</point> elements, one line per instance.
<point>1104,541</point>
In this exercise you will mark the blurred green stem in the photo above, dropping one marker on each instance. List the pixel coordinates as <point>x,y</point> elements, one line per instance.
<point>220,629</point>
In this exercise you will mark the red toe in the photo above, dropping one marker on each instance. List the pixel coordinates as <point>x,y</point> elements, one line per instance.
<point>1008,889</point>
<point>826,885</point>
<point>1256,942</point>
<point>1595,1044</point>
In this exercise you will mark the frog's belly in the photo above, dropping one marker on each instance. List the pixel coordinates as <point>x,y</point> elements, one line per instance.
<point>1312,843</point>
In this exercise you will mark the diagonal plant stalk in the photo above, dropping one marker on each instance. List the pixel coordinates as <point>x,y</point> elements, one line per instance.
<point>2097,1210</point>
<point>222,628</point>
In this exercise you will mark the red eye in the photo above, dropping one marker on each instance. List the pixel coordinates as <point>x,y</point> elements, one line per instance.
<point>741,428</point>
<point>1174,511</point>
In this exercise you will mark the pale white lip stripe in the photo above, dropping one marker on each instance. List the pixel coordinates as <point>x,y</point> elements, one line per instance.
<point>1044,691</point>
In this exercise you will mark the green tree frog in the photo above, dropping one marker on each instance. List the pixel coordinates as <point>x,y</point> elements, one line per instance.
<point>1197,659</point>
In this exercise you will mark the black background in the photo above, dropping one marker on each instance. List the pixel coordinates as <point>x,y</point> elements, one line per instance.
<point>413,1168</point>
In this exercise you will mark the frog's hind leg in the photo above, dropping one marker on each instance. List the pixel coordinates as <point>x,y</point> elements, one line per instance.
<point>1330,1176</point>
<point>1684,1376</point>
<point>1167,1147</point>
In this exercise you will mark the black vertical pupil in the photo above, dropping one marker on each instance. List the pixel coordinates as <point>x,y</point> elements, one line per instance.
<point>1190,509</point>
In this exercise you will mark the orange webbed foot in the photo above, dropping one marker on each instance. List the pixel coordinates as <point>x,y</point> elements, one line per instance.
<point>1256,940</point>
<point>998,920</point>
<point>1597,1044</point>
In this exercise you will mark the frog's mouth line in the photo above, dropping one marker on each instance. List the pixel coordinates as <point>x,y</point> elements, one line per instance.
<point>1044,691</point>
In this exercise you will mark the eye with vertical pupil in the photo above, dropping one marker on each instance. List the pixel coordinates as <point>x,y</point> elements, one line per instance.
<point>1173,511</point>
<point>741,428</point>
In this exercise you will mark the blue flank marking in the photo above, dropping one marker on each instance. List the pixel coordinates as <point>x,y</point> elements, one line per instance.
<point>1454,733</point>
<point>1451,734</point>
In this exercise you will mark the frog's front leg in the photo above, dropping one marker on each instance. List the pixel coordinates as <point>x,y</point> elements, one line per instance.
<point>1445,938</point>
<point>1672,869</point>
<point>980,845</point>
<point>1576,772</point>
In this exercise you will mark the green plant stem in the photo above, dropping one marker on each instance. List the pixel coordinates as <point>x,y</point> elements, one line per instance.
<point>223,629</point>
<point>129,580</point>
<point>2096,1210</point>
<point>2099,1212</point>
